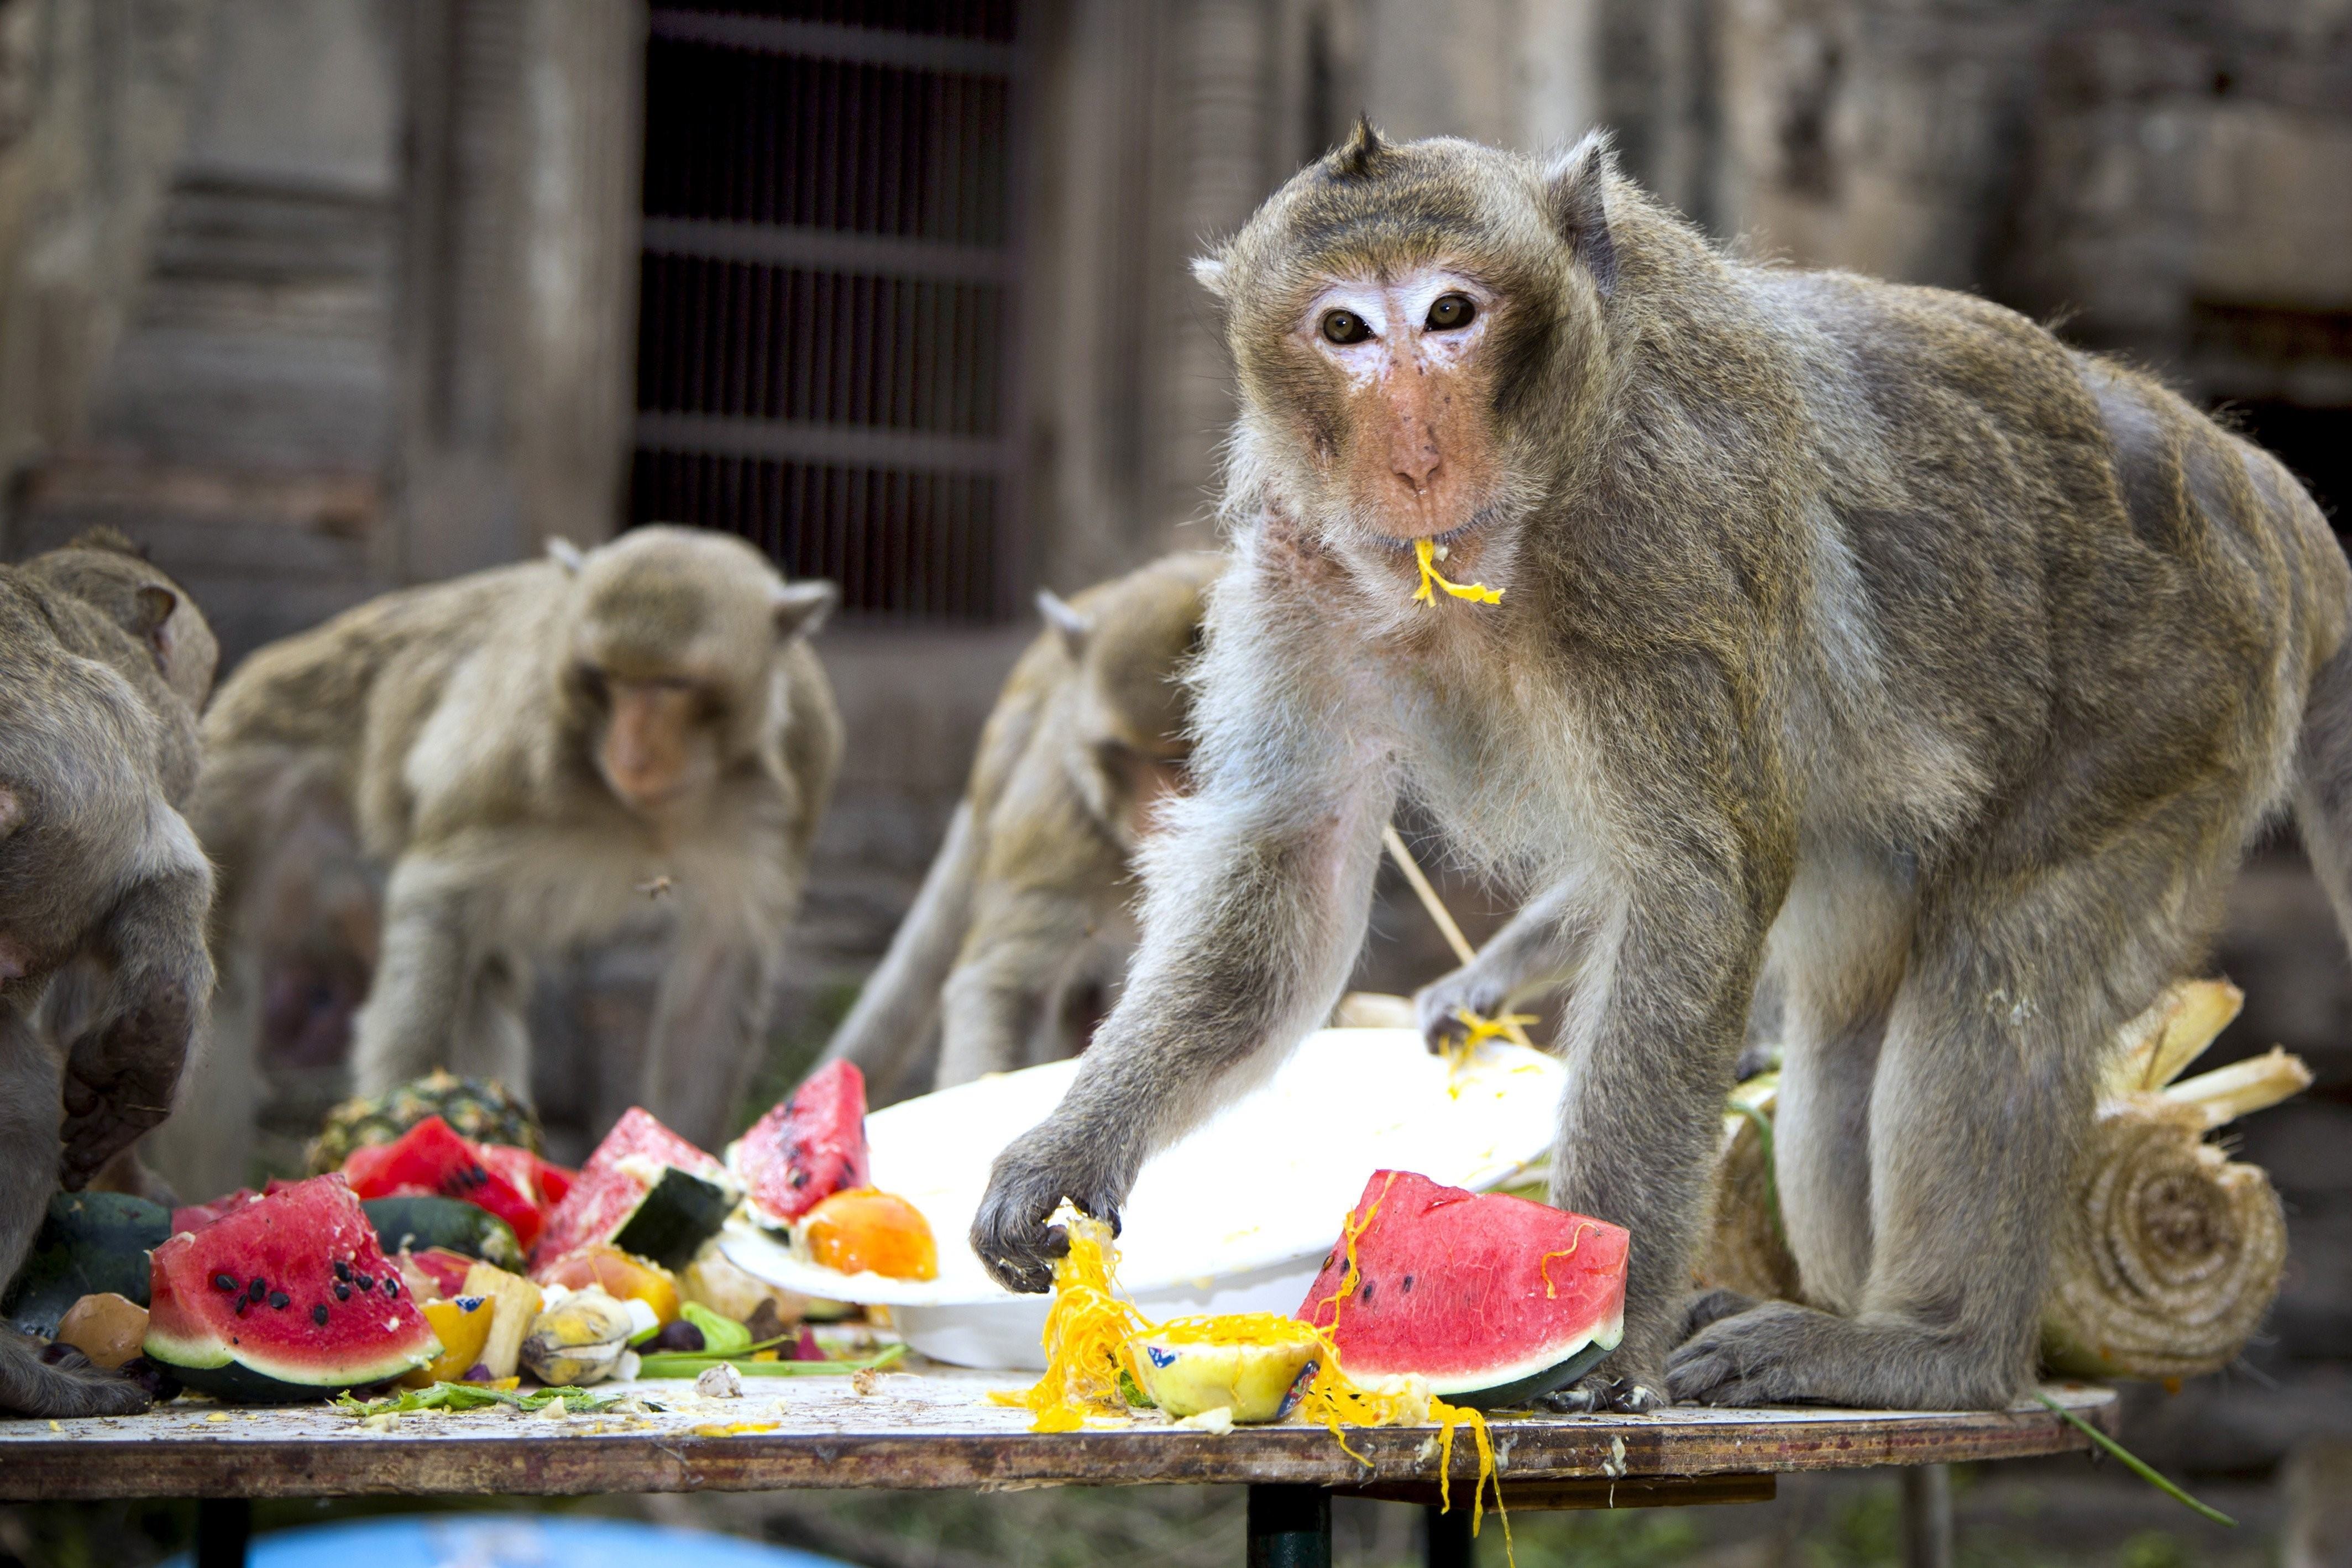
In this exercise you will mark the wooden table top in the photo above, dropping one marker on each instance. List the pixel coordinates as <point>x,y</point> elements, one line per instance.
<point>934,1428</point>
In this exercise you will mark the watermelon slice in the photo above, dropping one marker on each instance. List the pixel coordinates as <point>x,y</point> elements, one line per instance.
<point>431,1160</point>
<point>1492,1299</point>
<point>645,1190</point>
<point>288,1298</point>
<point>197,1215</point>
<point>805,1149</point>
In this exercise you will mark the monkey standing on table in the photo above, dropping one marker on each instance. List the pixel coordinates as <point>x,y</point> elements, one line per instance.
<point>526,750</point>
<point>1025,907</point>
<point>1870,618</point>
<point>103,665</point>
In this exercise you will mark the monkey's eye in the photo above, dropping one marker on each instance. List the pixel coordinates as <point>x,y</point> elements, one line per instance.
<point>591,681</point>
<point>1450,311</point>
<point>1345,327</point>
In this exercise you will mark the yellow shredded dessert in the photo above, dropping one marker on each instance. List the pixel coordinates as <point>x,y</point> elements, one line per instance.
<point>1090,1327</point>
<point>1477,592</point>
<point>1479,1030</point>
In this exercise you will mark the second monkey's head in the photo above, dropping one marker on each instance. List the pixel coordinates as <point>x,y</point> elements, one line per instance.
<point>1417,329</point>
<point>675,674</point>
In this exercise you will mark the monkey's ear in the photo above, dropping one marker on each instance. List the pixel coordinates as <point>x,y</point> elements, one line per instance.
<point>565,554</point>
<point>1356,155</point>
<point>1209,272</point>
<point>801,607</point>
<point>151,607</point>
<point>1575,195</point>
<point>1071,627</point>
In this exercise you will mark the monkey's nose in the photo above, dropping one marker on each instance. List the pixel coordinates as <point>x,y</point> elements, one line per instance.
<point>1414,460</point>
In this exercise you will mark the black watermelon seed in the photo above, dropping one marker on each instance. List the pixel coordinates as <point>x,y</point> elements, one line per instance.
<point>318,1314</point>
<point>1406,1283</point>
<point>343,1292</point>
<point>391,1286</point>
<point>223,1281</point>
<point>256,1290</point>
<point>243,1303</point>
<point>343,1270</point>
<point>365,1282</point>
<point>279,1300</point>
<point>1365,1295</point>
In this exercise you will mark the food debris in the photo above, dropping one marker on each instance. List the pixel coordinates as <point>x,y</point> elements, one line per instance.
<point>1423,553</point>
<point>720,1382</point>
<point>731,1428</point>
<point>863,1380</point>
<point>1090,1325</point>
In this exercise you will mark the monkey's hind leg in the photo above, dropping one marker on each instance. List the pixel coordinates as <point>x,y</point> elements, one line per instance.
<point>29,1149</point>
<point>1981,1100</point>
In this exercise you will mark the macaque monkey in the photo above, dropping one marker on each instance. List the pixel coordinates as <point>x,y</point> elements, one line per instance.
<point>522,750</point>
<point>104,663</point>
<point>1869,625</point>
<point>1024,912</point>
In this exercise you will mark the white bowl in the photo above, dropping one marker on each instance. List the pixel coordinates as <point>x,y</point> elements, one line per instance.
<point>1236,1216</point>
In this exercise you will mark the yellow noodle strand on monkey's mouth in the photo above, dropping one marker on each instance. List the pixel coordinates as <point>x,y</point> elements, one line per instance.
<point>1425,553</point>
<point>1090,1325</point>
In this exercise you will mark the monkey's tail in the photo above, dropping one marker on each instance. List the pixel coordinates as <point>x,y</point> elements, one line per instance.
<point>901,1002</point>
<point>2323,786</point>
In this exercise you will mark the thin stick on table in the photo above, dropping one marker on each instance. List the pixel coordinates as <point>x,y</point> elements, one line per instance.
<point>1438,914</point>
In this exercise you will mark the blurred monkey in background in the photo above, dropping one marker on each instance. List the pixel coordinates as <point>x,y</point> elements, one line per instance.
<point>104,663</point>
<point>1022,928</point>
<point>523,751</point>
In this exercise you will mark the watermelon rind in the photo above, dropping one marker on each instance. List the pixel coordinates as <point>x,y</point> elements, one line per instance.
<point>1527,1389</point>
<point>212,1368</point>
<point>676,1217</point>
<point>90,1243</point>
<point>418,1223</point>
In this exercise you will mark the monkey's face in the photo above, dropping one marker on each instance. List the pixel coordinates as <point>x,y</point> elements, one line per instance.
<point>1417,337</point>
<point>1409,451</point>
<point>675,662</point>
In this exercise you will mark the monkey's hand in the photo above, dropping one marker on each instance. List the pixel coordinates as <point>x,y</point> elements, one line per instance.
<point>119,1078</point>
<point>1438,1007</point>
<point>1013,1234</point>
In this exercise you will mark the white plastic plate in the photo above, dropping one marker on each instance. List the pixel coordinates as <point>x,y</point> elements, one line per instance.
<point>1237,1217</point>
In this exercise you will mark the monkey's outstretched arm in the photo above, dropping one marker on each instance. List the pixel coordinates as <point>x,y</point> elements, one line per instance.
<point>1542,946</point>
<point>1257,896</point>
<point>121,1072</point>
<point>1024,944</point>
<point>406,1025</point>
<point>711,1018</point>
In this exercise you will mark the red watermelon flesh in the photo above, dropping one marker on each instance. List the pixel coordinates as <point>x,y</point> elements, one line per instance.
<point>430,1160</point>
<point>286,1297</point>
<point>632,1164</point>
<point>807,1148</point>
<point>197,1215</point>
<point>446,1268</point>
<point>1492,1299</point>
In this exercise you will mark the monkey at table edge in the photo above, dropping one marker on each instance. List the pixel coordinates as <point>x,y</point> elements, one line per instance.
<point>1866,625</point>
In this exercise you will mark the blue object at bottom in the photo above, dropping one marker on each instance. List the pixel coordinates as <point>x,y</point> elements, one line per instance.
<point>509,1540</point>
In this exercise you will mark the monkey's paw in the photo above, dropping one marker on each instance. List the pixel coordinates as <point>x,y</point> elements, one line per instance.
<point>1710,1307</point>
<point>1437,1006</point>
<point>1768,1355</point>
<point>64,1384</point>
<point>1010,1234</point>
<point>1598,1392</point>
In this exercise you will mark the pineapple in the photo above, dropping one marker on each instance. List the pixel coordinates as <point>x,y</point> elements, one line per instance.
<point>477,1108</point>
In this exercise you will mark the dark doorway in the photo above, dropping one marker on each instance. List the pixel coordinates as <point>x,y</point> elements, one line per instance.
<point>825,359</point>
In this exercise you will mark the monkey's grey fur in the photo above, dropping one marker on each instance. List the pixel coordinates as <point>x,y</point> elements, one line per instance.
<point>103,664</point>
<point>480,733</point>
<point>1871,621</point>
<point>1026,906</point>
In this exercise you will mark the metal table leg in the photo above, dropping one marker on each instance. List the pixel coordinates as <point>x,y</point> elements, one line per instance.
<point>1446,1538</point>
<point>224,1525</point>
<point>1289,1527</point>
<point>1927,1516</point>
